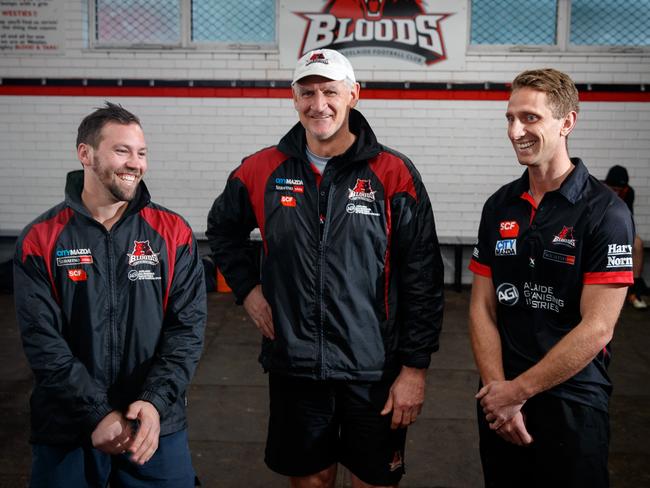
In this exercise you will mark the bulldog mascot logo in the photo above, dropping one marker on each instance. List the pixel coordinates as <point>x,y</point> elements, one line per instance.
<point>396,28</point>
<point>142,254</point>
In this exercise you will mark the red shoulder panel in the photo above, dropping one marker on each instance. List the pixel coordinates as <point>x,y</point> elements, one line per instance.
<point>393,174</point>
<point>254,173</point>
<point>41,239</point>
<point>175,232</point>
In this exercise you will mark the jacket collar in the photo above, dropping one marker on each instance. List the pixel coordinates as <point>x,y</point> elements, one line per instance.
<point>571,188</point>
<point>365,146</point>
<point>74,186</point>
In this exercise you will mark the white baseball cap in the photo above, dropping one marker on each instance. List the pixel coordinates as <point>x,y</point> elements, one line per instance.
<point>324,62</point>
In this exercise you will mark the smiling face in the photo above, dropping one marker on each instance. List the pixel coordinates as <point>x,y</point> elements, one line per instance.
<point>537,136</point>
<point>115,167</point>
<point>323,106</point>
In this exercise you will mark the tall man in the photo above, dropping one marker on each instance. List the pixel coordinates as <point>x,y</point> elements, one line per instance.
<point>111,307</point>
<point>552,264</point>
<point>350,301</point>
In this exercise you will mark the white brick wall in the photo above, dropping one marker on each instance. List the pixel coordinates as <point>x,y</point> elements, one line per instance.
<point>79,61</point>
<point>460,147</point>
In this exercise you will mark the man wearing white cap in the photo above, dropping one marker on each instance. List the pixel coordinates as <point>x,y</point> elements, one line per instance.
<point>350,297</point>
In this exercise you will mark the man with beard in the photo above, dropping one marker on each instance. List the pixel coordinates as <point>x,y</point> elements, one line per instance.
<point>111,307</point>
<point>350,298</point>
<point>551,269</point>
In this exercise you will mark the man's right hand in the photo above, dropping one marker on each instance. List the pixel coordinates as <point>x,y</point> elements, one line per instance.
<point>113,434</point>
<point>259,311</point>
<point>514,431</point>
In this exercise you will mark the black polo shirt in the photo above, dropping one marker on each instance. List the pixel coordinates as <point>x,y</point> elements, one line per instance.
<point>539,259</point>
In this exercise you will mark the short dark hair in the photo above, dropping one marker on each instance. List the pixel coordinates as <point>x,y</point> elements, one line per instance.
<point>561,91</point>
<point>91,126</point>
<point>617,176</point>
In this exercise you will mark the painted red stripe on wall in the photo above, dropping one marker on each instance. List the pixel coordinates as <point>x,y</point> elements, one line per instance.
<point>264,92</point>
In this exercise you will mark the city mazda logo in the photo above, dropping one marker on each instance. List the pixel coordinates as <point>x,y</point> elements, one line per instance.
<point>507,294</point>
<point>395,28</point>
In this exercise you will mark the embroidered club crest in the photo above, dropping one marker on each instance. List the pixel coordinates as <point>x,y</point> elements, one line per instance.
<point>142,254</point>
<point>565,237</point>
<point>317,58</point>
<point>362,191</point>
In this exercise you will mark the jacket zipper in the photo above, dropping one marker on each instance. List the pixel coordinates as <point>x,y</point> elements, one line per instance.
<point>113,336</point>
<point>321,279</point>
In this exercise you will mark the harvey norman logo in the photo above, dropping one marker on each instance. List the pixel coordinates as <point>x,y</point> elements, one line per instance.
<point>394,28</point>
<point>619,256</point>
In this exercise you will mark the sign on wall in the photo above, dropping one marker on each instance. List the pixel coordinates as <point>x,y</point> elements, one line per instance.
<point>377,34</point>
<point>30,26</point>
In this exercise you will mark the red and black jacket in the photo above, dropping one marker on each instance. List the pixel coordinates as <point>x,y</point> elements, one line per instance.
<point>351,269</point>
<point>107,317</point>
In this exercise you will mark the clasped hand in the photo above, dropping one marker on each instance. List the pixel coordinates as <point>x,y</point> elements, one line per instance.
<point>115,433</point>
<point>502,403</point>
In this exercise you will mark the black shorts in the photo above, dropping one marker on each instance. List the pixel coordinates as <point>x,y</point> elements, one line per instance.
<point>570,447</point>
<point>314,424</point>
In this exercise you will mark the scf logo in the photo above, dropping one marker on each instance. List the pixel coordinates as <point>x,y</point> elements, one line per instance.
<point>507,294</point>
<point>509,228</point>
<point>77,275</point>
<point>288,201</point>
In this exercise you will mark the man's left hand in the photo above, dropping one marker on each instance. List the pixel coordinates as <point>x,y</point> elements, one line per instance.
<point>145,442</point>
<point>515,432</point>
<point>406,397</point>
<point>501,401</point>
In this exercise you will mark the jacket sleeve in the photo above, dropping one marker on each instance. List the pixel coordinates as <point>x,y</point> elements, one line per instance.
<point>181,341</point>
<point>420,277</point>
<point>230,222</point>
<point>41,322</point>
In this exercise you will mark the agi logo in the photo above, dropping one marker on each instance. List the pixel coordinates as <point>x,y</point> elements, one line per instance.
<point>507,294</point>
<point>396,28</point>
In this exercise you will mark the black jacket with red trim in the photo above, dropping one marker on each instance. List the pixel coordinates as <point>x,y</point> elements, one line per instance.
<point>107,317</point>
<point>351,264</point>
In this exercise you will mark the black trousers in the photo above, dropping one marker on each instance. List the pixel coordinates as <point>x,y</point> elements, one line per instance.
<point>569,450</point>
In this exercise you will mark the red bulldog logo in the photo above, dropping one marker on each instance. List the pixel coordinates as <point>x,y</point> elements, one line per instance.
<point>142,254</point>
<point>394,28</point>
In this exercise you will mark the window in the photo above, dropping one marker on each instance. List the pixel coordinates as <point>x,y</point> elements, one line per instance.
<point>252,21</point>
<point>560,25</point>
<point>507,22</point>
<point>184,24</point>
<point>609,23</point>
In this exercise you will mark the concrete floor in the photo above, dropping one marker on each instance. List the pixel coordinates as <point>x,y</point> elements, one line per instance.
<point>228,405</point>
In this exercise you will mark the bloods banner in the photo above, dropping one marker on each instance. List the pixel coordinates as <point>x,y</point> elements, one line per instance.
<point>377,34</point>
